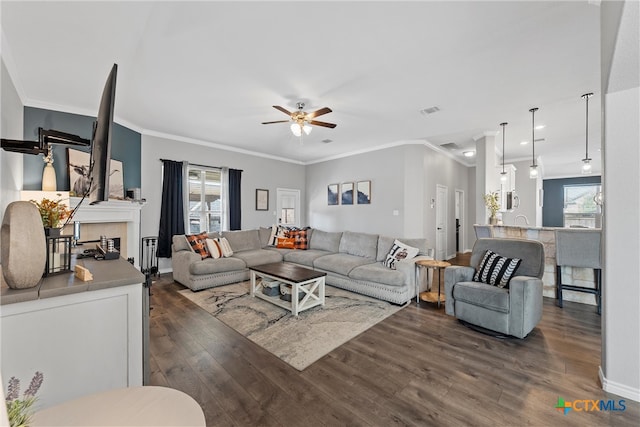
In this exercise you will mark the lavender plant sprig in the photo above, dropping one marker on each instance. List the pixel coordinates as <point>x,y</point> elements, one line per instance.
<point>19,411</point>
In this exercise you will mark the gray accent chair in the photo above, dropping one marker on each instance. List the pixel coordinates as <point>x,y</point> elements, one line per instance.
<point>514,311</point>
<point>579,248</point>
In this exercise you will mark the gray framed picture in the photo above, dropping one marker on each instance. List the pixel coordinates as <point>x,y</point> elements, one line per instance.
<point>364,192</point>
<point>346,197</point>
<point>332,194</point>
<point>262,199</point>
<point>79,179</point>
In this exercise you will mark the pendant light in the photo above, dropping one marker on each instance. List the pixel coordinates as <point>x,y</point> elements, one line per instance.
<point>533,169</point>
<point>586,162</point>
<point>503,174</point>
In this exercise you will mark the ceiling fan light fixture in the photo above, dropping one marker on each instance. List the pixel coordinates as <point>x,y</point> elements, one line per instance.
<point>307,129</point>
<point>296,129</point>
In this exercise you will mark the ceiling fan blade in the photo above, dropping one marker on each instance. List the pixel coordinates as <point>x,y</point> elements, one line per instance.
<point>277,107</point>
<point>277,121</point>
<point>325,124</point>
<point>319,112</point>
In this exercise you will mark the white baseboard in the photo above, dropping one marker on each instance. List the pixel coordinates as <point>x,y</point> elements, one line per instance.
<point>617,388</point>
<point>165,270</point>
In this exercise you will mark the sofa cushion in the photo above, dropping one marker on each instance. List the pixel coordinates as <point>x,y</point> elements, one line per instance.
<point>340,263</point>
<point>378,273</point>
<point>359,244</point>
<point>496,270</point>
<point>325,241</point>
<point>385,243</point>
<point>258,257</point>
<point>304,257</point>
<point>264,234</point>
<point>243,240</point>
<point>180,243</point>
<point>220,265</point>
<point>482,295</point>
<point>398,252</point>
<point>198,244</point>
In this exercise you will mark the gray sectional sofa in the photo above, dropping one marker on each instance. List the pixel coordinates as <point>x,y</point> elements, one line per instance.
<point>352,261</point>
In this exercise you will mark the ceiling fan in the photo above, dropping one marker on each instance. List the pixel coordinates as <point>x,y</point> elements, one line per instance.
<point>302,120</point>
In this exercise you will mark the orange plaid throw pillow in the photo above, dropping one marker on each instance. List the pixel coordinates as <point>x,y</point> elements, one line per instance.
<point>300,238</point>
<point>198,244</point>
<point>286,243</point>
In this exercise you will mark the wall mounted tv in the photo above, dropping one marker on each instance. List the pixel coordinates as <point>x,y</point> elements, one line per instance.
<point>101,142</point>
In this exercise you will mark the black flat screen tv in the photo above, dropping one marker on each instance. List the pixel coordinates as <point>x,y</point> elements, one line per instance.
<point>101,142</point>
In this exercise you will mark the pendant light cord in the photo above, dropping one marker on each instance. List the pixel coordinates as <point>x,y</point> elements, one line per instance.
<point>503,125</point>
<point>586,97</point>
<point>533,134</point>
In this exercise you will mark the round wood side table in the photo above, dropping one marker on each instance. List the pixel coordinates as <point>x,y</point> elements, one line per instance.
<point>438,266</point>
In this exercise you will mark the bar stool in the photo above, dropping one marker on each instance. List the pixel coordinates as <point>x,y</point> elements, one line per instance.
<point>579,248</point>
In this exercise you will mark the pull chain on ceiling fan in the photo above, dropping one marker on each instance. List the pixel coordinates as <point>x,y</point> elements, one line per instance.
<point>302,121</point>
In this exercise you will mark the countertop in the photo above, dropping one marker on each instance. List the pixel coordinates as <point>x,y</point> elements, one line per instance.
<point>106,274</point>
<point>533,227</point>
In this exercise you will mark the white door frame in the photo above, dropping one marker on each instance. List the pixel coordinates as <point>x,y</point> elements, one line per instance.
<point>461,217</point>
<point>441,222</point>
<point>280,192</point>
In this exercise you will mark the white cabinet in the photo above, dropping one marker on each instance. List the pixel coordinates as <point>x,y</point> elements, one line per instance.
<point>507,187</point>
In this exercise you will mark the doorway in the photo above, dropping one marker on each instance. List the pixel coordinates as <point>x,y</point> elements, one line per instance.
<point>442,195</point>
<point>288,207</point>
<point>460,227</point>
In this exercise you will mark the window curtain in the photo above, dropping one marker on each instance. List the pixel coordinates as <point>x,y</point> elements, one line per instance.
<point>172,210</point>
<point>235,200</point>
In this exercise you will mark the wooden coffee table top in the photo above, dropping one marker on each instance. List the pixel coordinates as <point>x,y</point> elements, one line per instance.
<point>287,271</point>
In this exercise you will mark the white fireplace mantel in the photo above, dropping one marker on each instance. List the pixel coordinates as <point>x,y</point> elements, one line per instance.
<point>113,211</point>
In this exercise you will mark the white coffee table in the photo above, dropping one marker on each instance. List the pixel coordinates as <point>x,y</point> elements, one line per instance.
<point>309,282</point>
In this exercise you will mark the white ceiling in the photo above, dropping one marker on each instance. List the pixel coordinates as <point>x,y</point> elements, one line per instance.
<point>211,71</point>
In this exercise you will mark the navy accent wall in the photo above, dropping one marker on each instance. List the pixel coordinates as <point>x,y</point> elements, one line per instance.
<point>553,201</point>
<point>125,146</point>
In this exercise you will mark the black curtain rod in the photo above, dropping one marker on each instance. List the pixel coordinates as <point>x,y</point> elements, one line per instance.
<point>195,164</point>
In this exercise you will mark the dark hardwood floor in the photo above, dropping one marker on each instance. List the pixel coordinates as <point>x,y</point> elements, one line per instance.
<point>418,367</point>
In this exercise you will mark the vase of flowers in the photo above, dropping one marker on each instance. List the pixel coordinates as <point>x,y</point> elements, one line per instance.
<point>491,202</point>
<point>19,410</point>
<point>52,212</point>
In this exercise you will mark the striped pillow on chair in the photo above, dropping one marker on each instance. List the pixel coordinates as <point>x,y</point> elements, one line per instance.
<point>496,270</point>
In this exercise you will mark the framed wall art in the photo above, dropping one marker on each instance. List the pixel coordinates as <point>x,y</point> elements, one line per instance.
<point>262,199</point>
<point>346,197</point>
<point>79,179</point>
<point>364,192</point>
<point>332,194</point>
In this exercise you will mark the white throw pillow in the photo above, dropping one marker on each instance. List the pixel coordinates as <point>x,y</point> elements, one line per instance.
<point>399,251</point>
<point>225,246</point>
<point>215,250</point>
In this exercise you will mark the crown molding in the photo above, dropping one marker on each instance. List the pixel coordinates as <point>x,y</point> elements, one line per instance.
<point>148,132</point>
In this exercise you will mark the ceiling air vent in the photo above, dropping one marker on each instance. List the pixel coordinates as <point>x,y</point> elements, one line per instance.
<point>450,146</point>
<point>429,110</point>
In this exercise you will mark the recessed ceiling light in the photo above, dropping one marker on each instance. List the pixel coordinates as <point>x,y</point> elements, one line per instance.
<point>524,142</point>
<point>469,153</point>
<point>540,127</point>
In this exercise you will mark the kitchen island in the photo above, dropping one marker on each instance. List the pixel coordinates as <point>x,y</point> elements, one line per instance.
<point>570,275</point>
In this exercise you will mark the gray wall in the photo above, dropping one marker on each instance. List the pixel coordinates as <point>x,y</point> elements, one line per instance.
<point>125,146</point>
<point>403,179</point>
<point>621,228</point>
<point>385,169</point>
<point>552,210</point>
<point>11,113</point>
<point>258,172</point>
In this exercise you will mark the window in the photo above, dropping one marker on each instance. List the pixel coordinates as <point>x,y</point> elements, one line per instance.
<point>580,208</point>
<point>206,212</point>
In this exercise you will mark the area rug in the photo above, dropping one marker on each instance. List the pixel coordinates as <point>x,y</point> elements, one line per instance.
<point>301,340</point>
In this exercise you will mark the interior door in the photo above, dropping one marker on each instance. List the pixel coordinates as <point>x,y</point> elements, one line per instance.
<point>442,195</point>
<point>288,207</point>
